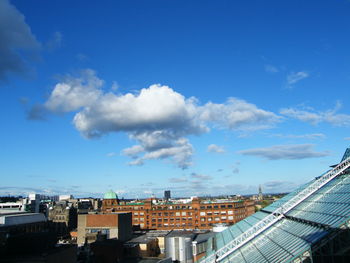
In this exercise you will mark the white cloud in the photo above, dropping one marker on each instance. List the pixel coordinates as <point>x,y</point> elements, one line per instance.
<point>213,148</point>
<point>347,138</point>
<point>158,118</point>
<point>315,117</point>
<point>75,92</point>
<point>285,152</point>
<point>295,77</point>
<point>237,114</point>
<point>133,151</point>
<point>181,153</point>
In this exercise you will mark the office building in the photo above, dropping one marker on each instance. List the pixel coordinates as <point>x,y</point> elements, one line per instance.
<point>165,215</point>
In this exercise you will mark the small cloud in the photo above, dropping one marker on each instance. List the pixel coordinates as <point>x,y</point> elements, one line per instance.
<point>177,180</point>
<point>219,170</point>
<point>23,100</point>
<point>82,57</point>
<point>115,86</point>
<point>235,171</point>
<point>347,138</point>
<point>111,154</point>
<point>137,162</point>
<point>55,41</point>
<point>286,152</point>
<point>271,69</point>
<point>37,113</point>
<point>293,78</point>
<point>52,180</point>
<point>213,148</point>
<point>201,176</point>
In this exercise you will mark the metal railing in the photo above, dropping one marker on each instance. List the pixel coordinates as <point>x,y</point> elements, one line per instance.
<point>277,214</point>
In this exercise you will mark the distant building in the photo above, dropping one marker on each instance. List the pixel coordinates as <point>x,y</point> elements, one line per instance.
<point>64,216</point>
<point>65,197</point>
<point>86,205</point>
<point>12,207</point>
<point>260,196</point>
<point>195,214</point>
<point>116,225</point>
<point>167,195</point>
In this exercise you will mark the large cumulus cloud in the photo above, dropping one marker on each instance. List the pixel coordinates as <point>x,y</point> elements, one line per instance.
<point>158,118</point>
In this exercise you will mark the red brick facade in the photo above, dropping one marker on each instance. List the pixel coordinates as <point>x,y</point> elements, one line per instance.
<point>102,220</point>
<point>194,215</point>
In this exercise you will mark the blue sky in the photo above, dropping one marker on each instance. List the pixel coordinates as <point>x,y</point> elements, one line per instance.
<point>199,97</point>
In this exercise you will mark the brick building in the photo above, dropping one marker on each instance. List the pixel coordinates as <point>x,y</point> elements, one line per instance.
<point>116,225</point>
<point>197,214</point>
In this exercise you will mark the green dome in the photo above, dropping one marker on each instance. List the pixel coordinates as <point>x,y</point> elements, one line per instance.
<point>110,195</point>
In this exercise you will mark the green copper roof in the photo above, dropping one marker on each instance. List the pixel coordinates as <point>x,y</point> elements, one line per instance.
<point>110,195</point>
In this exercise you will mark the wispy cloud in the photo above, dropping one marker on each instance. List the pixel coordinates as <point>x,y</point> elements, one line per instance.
<point>82,57</point>
<point>311,136</point>
<point>271,69</point>
<point>279,186</point>
<point>111,154</point>
<point>201,176</point>
<point>315,117</point>
<point>55,41</point>
<point>177,180</point>
<point>295,77</point>
<point>285,152</point>
<point>213,148</point>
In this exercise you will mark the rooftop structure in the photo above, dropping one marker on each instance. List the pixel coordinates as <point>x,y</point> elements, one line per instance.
<point>303,226</point>
<point>116,225</point>
<point>20,218</point>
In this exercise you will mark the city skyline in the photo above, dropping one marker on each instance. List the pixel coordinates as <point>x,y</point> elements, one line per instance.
<point>196,97</point>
